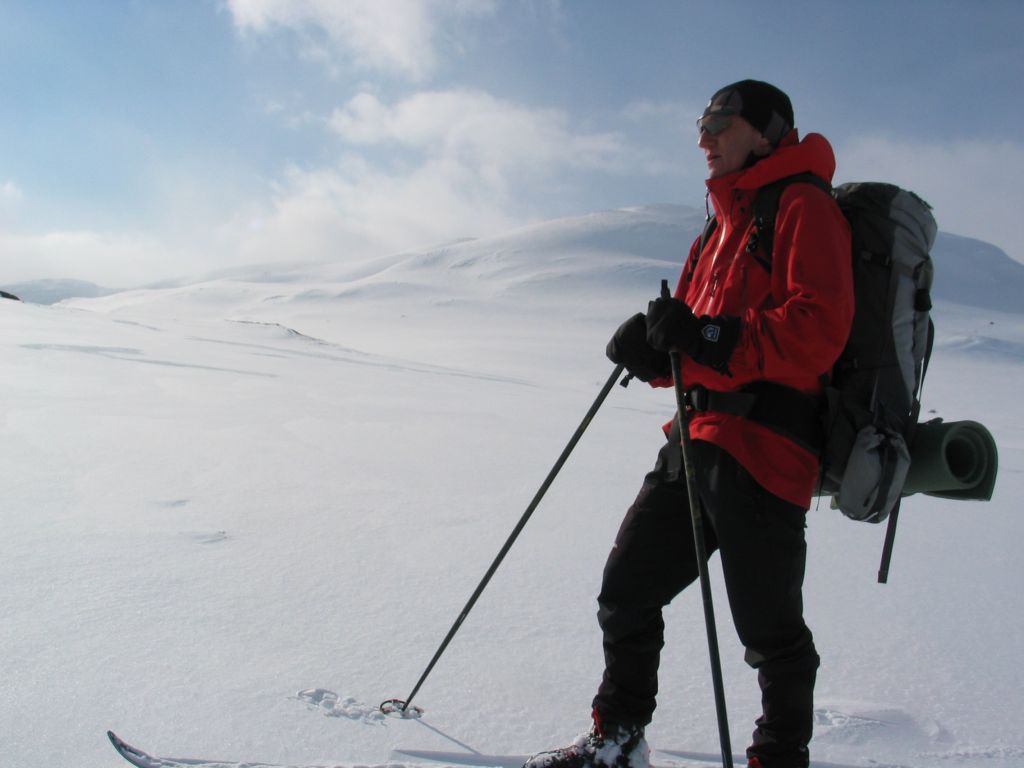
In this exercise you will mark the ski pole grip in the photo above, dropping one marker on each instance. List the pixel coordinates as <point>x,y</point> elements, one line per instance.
<point>665,294</point>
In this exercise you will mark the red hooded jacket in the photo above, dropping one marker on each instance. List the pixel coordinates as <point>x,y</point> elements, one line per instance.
<point>794,320</point>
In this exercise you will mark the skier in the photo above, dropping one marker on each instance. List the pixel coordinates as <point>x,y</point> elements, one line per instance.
<point>740,325</point>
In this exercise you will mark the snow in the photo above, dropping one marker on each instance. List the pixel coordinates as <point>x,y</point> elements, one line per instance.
<point>240,512</point>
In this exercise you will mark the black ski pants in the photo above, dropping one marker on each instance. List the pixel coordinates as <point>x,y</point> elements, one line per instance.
<point>761,541</point>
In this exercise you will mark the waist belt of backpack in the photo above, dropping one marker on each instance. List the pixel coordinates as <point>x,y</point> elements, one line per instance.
<point>782,409</point>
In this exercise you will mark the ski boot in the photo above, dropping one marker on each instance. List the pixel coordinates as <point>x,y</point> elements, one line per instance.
<point>605,745</point>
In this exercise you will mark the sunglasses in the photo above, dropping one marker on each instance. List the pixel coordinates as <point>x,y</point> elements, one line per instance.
<point>713,124</point>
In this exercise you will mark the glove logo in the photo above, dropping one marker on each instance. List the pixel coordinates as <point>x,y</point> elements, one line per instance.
<point>711,332</point>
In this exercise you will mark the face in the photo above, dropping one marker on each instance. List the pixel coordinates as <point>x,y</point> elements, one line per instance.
<point>728,150</point>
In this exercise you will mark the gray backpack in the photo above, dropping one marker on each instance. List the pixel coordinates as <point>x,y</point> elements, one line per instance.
<point>873,397</point>
<point>864,425</point>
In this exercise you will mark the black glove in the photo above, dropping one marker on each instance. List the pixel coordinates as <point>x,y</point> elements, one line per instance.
<point>706,340</point>
<point>629,347</point>
<point>671,325</point>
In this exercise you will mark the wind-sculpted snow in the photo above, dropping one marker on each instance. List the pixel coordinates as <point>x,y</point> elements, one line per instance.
<point>975,344</point>
<point>876,726</point>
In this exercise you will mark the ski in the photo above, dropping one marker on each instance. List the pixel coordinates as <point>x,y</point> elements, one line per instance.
<point>141,759</point>
<point>137,757</point>
<point>676,758</point>
<point>477,759</point>
<point>474,759</point>
<point>715,758</point>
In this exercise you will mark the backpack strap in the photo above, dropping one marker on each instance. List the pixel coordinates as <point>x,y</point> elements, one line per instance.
<point>782,409</point>
<point>766,209</point>
<point>709,226</point>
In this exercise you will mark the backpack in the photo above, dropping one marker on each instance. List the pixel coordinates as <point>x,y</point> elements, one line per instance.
<point>871,403</point>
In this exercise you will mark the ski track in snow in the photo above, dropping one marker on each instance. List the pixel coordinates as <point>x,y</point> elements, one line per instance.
<point>172,503</point>
<point>351,356</point>
<point>205,537</point>
<point>136,356</point>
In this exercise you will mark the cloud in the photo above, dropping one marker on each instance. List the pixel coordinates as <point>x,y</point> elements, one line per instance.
<point>409,173</point>
<point>396,36</point>
<point>479,130</point>
<point>644,110</point>
<point>11,199</point>
<point>432,167</point>
<point>10,193</point>
<point>111,259</point>
<point>971,183</point>
<point>354,210</point>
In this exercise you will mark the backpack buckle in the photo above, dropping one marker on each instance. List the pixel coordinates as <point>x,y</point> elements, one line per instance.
<point>696,398</point>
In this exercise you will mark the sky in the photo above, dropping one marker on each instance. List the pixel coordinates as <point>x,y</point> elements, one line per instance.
<point>144,140</point>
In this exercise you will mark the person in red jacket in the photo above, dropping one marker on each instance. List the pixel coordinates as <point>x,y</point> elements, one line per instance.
<point>749,328</point>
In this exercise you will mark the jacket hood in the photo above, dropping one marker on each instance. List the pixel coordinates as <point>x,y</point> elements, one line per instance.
<point>813,154</point>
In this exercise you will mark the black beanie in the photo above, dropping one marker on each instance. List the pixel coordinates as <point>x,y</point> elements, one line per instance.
<point>761,104</point>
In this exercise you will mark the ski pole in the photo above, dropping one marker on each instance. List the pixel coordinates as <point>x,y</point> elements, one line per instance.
<point>403,705</point>
<point>690,471</point>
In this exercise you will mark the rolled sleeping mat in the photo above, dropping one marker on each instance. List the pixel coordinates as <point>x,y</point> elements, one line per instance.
<point>953,460</point>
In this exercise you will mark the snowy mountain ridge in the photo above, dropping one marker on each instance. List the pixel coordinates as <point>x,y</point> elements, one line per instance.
<point>629,249</point>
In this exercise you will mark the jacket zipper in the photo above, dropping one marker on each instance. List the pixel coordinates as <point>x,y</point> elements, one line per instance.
<point>715,277</point>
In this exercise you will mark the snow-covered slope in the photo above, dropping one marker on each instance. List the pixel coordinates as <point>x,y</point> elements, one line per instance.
<point>240,512</point>
<point>972,272</point>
